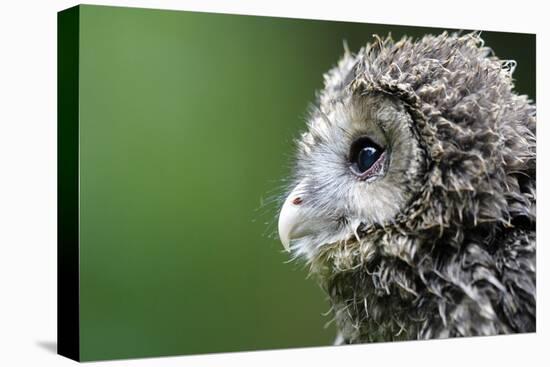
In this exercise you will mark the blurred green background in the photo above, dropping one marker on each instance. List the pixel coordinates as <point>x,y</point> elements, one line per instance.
<point>186,129</point>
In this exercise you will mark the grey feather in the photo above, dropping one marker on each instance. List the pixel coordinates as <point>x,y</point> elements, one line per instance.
<point>443,244</point>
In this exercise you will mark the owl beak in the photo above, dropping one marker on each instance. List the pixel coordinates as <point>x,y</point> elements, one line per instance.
<point>293,223</point>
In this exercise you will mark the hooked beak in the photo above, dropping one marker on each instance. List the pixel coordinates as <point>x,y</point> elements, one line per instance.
<point>293,221</point>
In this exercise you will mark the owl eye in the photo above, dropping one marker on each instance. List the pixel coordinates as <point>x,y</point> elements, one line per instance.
<point>366,158</point>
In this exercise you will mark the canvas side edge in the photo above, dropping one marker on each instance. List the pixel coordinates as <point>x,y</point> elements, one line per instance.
<point>68,283</point>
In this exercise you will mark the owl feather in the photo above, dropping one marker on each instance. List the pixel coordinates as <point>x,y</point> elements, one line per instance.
<point>440,242</point>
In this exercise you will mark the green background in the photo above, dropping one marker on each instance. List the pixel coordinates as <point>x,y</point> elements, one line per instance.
<point>186,129</point>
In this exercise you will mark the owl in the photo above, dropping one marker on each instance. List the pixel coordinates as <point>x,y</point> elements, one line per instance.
<point>412,198</point>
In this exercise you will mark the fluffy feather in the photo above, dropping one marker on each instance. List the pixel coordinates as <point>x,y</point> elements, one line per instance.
<point>448,246</point>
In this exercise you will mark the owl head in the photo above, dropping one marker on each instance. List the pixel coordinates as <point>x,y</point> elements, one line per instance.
<point>407,142</point>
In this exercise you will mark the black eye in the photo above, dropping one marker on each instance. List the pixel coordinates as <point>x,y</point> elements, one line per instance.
<point>366,158</point>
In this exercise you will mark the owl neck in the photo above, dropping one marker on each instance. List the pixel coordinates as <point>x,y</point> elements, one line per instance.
<point>441,291</point>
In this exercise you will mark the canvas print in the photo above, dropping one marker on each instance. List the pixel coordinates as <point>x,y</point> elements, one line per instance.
<point>234,183</point>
